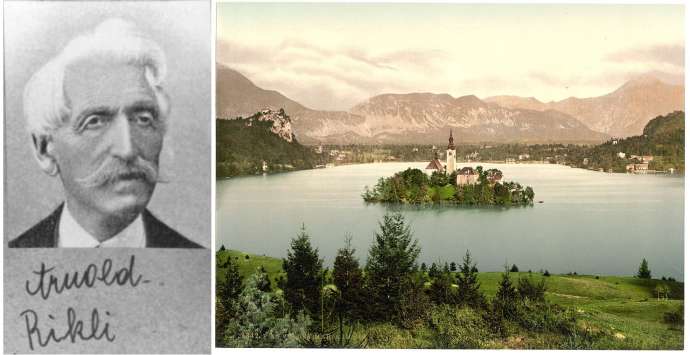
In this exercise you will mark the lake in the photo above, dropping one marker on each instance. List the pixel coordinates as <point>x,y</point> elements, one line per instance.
<point>590,222</point>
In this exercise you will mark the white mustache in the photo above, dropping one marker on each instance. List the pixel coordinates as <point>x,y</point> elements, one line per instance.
<point>113,169</point>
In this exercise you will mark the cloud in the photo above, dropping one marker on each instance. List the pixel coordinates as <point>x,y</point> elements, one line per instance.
<point>659,54</point>
<point>330,78</point>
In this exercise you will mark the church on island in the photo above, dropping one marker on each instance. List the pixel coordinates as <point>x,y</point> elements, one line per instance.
<point>464,176</point>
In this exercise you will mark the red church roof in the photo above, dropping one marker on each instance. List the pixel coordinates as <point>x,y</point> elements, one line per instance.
<point>435,164</point>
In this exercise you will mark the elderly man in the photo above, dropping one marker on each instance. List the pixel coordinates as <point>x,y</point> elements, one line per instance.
<point>97,118</point>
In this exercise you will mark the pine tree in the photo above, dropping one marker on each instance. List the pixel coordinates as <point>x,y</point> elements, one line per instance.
<point>506,300</point>
<point>434,271</point>
<point>468,285</point>
<point>643,272</point>
<point>441,290</point>
<point>348,278</point>
<point>392,257</point>
<point>453,266</point>
<point>231,288</point>
<point>303,275</point>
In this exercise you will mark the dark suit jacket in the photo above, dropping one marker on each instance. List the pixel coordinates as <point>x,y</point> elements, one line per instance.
<point>45,234</point>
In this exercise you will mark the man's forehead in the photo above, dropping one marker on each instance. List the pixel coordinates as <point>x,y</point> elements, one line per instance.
<point>105,82</point>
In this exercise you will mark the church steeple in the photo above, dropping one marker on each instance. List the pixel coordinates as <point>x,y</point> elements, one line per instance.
<point>450,155</point>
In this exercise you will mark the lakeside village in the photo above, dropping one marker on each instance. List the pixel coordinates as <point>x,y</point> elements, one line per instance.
<point>634,164</point>
<point>444,183</point>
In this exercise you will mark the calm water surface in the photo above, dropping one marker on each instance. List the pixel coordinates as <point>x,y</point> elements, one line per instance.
<point>590,222</point>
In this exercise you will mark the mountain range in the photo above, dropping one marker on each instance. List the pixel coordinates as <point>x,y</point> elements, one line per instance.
<point>621,113</point>
<point>426,118</point>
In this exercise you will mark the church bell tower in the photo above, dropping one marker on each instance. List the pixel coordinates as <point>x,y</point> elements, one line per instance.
<point>450,155</point>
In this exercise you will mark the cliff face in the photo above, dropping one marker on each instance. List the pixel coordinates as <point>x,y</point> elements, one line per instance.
<point>281,123</point>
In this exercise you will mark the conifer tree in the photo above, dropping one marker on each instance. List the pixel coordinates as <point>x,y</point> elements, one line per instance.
<point>303,275</point>
<point>643,272</point>
<point>506,300</point>
<point>468,285</point>
<point>231,287</point>
<point>392,257</point>
<point>441,290</point>
<point>434,271</point>
<point>348,278</point>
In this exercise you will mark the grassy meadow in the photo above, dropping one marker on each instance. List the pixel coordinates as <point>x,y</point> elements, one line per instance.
<point>619,312</point>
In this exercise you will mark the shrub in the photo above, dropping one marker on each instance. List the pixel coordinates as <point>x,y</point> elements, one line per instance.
<point>257,324</point>
<point>533,291</point>
<point>441,290</point>
<point>388,336</point>
<point>546,273</point>
<point>674,317</point>
<point>414,305</point>
<point>544,317</point>
<point>459,328</point>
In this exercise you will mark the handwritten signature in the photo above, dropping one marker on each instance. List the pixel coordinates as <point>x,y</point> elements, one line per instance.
<point>75,329</point>
<point>48,283</point>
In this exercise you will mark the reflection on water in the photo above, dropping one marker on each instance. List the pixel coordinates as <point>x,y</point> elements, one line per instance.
<point>590,222</point>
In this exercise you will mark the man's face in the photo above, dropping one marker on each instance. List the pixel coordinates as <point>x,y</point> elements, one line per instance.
<point>115,122</point>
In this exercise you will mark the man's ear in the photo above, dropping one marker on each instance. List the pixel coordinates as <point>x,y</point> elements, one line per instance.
<point>43,152</point>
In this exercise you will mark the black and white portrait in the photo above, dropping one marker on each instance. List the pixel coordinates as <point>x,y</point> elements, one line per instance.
<point>95,117</point>
<point>107,176</point>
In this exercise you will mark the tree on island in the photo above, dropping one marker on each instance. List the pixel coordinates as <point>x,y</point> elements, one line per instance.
<point>303,275</point>
<point>392,258</point>
<point>644,272</point>
<point>412,186</point>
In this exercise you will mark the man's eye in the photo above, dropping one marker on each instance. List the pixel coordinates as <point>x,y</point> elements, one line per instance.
<point>94,122</point>
<point>144,118</point>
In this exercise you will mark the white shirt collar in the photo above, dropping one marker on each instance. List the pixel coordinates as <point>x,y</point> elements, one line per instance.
<point>72,235</point>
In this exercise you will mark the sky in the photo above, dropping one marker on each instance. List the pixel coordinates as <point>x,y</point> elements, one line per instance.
<point>333,56</point>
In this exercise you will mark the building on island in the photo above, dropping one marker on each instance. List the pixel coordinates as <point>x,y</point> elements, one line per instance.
<point>466,176</point>
<point>494,176</point>
<point>434,165</point>
<point>450,154</point>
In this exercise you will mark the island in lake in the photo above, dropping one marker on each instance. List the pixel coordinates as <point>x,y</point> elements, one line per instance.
<point>445,183</point>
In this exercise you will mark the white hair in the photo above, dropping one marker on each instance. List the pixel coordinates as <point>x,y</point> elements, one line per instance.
<point>45,105</point>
